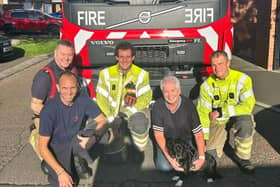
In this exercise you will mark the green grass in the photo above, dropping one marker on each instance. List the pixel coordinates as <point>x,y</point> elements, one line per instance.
<point>34,47</point>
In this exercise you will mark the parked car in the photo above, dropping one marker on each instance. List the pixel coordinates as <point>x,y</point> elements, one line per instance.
<point>16,20</point>
<point>6,48</point>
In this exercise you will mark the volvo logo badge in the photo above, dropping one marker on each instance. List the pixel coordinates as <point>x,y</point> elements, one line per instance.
<point>145,17</point>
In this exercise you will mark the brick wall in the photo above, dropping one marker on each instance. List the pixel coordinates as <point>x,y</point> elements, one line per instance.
<point>271,44</point>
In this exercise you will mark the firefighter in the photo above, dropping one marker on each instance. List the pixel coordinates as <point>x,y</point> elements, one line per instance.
<point>225,108</point>
<point>124,89</point>
<point>44,88</point>
<point>61,120</point>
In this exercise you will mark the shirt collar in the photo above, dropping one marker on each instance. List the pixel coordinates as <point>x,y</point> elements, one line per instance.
<point>179,104</point>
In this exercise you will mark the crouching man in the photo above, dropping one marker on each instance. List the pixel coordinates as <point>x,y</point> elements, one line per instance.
<point>61,120</point>
<point>225,109</point>
<point>175,116</point>
<point>123,94</point>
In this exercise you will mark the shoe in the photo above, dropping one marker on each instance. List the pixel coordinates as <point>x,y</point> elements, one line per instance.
<point>82,168</point>
<point>245,165</point>
<point>44,167</point>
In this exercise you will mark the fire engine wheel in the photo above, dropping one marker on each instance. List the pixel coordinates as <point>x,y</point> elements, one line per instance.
<point>53,31</point>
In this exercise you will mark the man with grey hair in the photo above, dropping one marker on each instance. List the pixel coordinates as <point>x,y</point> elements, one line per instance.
<point>175,116</point>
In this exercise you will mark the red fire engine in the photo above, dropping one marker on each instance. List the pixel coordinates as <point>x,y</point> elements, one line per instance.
<point>170,36</point>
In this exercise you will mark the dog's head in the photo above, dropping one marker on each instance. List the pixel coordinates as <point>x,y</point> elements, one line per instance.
<point>181,151</point>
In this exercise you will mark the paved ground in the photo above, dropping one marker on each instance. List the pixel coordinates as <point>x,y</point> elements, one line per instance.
<point>20,167</point>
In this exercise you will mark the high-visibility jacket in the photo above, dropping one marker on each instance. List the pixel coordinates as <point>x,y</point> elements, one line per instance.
<point>110,91</point>
<point>234,96</point>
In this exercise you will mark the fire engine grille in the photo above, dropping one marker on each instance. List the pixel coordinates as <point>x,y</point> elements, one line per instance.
<point>152,52</point>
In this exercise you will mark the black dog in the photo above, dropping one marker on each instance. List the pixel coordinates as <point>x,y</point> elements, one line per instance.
<point>186,153</point>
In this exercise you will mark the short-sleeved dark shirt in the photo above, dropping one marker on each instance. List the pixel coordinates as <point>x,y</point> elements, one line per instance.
<point>61,122</point>
<point>42,83</point>
<point>183,123</point>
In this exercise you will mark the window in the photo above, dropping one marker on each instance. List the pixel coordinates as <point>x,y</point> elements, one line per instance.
<point>34,15</point>
<point>21,15</point>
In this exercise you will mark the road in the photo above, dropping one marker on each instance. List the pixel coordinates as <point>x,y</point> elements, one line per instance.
<point>20,167</point>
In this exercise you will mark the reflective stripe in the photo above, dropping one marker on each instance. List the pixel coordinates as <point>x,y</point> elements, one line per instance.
<point>231,110</point>
<point>145,35</point>
<point>107,78</point>
<point>197,129</point>
<point>113,103</point>
<point>206,104</point>
<point>143,90</point>
<point>116,35</point>
<point>208,89</point>
<point>244,144</point>
<point>132,109</point>
<point>140,142</point>
<point>80,39</point>
<point>223,118</point>
<point>106,94</point>
<point>158,128</point>
<point>205,130</point>
<point>228,51</point>
<point>240,83</point>
<point>244,151</point>
<point>211,37</point>
<point>140,78</point>
<point>142,139</point>
<point>172,33</point>
<point>87,81</point>
<point>102,92</point>
<point>246,94</point>
<point>123,103</point>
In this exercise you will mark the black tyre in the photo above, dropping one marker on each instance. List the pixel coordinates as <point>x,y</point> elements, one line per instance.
<point>9,29</point>
<point>53,31</point>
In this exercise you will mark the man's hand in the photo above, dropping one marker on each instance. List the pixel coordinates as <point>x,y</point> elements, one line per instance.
<point>130,97</point>
<point>65,180</point>
<point>114,130</point>
<point>197,164</point>
<point>83,141</point>
<point>116,123</point>
<point>176,166</point>
<point>214,115</point>
<point>130,100</point>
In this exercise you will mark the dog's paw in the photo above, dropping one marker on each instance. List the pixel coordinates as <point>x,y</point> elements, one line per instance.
<point>179,183</point>
<point>213,177</point>
<point>175,178</point>
<point>210,180</point>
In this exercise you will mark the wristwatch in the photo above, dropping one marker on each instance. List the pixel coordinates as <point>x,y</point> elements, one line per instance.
<point>202,157</point>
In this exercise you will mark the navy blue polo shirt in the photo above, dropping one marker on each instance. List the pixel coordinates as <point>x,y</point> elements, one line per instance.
<point>42,83</point>
<point>61,122</point>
